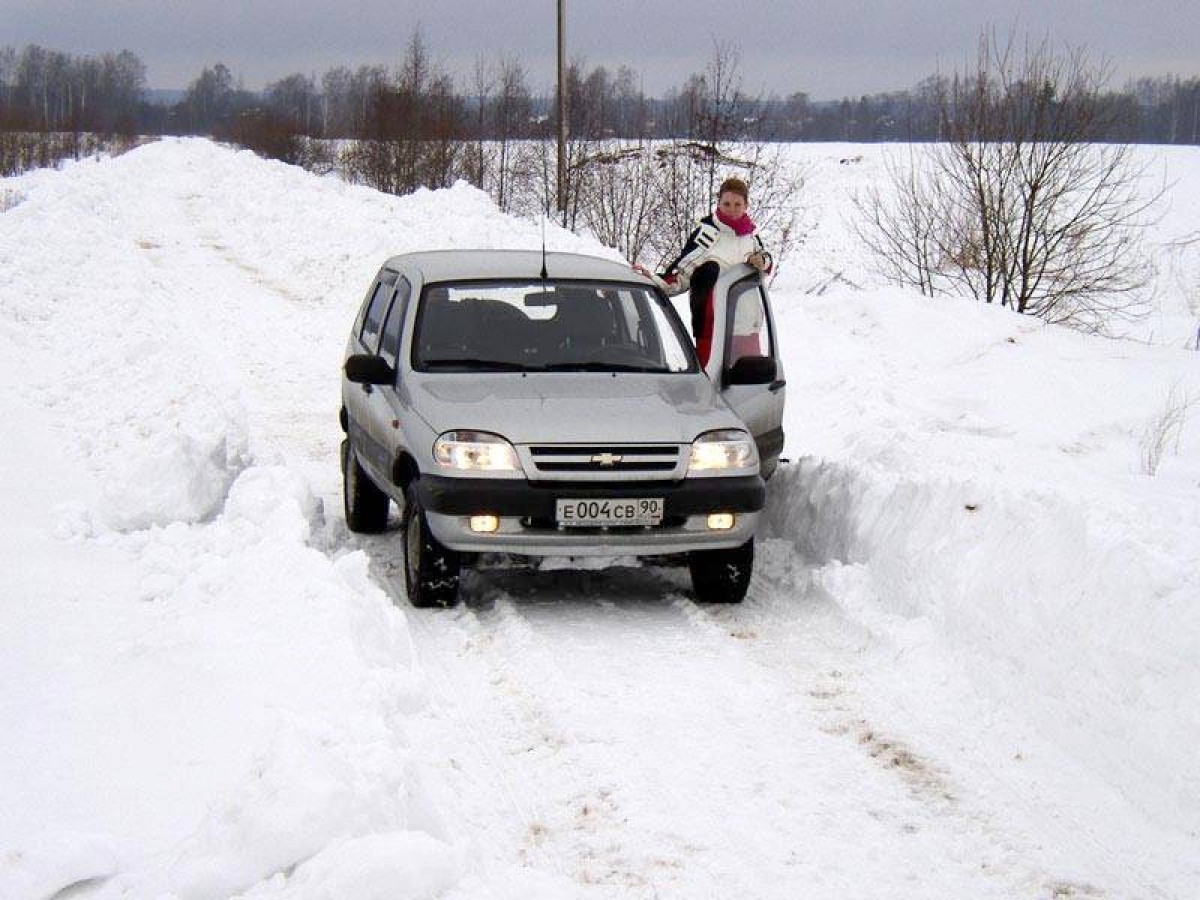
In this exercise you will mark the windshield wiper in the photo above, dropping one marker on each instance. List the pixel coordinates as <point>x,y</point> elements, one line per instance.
<point>499,365</point>
<point>601,367</point>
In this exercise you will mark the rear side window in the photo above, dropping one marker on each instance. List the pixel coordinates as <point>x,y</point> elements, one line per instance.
<point>389,344</point>
<point>372,325</point>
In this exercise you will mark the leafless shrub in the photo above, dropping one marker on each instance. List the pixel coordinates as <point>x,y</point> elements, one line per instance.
<point>721,120</point>
<point>1164,431</point>
<point>21,151</point>
<point>268,135</point>
<point>1019,205</point>
<point>616,201</point>
<point>643,197</point>
<point>318,155</point>
<point>901,230</point>
<point>684,180</point>
<point>1191,286</point>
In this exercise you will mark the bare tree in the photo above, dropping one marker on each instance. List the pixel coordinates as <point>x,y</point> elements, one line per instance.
<point>725,139</point>
<point>210,98</point>
<point>1021,205</point>
<point>510,114</point>
<point>413,133</point>
<point>901,229</point>
<point>644,196</point>
<point>293,100</point>
<point>483,84</point>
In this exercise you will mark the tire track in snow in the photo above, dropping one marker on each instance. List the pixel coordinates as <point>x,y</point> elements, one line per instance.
<point>574,824</point>
<point>591,824</point>
<point>585,820</point>
<point>824,663</point>
<point>666,820</point>
<point>814,665</point>
<point>503,744</point>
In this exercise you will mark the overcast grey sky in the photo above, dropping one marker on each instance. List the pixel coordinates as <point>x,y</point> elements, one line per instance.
<point>828,49</point>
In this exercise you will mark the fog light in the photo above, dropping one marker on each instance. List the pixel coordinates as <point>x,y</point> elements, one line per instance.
<point>485,523</point>
<point>720,521</point>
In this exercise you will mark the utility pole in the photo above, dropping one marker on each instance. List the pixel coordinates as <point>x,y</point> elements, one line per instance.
<point>562,110</point>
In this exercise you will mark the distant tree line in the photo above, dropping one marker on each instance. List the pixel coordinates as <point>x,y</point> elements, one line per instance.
<point>54,105</point>
<point>47,90</point>
<point>495,101</point>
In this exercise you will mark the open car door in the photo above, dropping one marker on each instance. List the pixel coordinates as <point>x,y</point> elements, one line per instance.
<point>745,364</point>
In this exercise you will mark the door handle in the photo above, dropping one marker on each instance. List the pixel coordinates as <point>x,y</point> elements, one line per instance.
<point>777,385</point>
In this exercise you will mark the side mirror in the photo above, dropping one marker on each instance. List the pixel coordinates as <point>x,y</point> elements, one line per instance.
<point>751,370</point>
<point>365,368</point>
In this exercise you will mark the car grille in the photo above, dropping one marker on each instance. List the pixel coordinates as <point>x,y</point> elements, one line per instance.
<point>610,461</point>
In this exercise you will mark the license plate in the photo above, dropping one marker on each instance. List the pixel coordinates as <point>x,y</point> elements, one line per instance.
<point>594,513</point>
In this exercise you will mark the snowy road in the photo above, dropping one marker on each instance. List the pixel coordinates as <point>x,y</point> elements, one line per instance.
<point>604,727</point>
<point>582,732</point>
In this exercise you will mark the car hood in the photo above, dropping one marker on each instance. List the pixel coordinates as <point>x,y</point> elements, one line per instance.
<point>573,407</point>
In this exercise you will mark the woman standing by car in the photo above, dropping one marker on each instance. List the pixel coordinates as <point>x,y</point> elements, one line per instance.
<point>725,237</point>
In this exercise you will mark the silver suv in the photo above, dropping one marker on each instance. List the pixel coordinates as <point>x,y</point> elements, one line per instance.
<point>553,405</point>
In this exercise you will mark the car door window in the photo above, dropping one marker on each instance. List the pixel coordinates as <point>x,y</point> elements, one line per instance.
<point>389,343</point>
<point>373,321</point>
<point>749,330</point>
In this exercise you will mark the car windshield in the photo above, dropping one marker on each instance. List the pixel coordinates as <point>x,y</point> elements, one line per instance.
<point>548,327</point>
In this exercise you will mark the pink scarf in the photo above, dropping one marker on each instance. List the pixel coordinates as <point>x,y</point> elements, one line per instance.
<point>741,227</point>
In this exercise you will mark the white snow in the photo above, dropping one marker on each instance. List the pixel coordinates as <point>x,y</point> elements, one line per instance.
<point>967,666</point>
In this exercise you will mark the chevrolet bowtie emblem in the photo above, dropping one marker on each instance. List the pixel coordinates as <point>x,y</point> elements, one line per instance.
<point>606,459</point>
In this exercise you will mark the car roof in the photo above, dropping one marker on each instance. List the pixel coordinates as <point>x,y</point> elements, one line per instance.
<point>454,265</point>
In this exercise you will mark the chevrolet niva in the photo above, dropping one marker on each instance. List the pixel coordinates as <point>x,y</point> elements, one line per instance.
<point>553,405</point>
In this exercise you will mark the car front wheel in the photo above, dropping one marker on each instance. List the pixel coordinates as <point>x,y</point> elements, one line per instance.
<point>722,576</point>
<point>430,569</point>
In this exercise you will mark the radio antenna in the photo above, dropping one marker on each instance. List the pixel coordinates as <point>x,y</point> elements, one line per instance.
<point>544,275</point>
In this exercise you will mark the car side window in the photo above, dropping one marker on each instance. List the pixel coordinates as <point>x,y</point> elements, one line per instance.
<point>748,330</point>
<point>373,321</point>
<point>389,344</point>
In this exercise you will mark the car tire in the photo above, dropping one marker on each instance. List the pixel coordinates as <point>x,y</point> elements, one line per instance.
<point>365,504</point>
<point>722,576</point>
<point>430,570</point>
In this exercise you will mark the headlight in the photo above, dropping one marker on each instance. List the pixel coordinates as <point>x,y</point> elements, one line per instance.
<point>475,451</point>
<point>722,452</point>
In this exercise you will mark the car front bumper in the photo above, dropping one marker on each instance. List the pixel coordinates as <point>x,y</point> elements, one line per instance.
<point>526,511</point>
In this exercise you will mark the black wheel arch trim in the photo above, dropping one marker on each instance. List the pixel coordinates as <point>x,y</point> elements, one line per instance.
<point>404,470</point>
<point>770,444</point>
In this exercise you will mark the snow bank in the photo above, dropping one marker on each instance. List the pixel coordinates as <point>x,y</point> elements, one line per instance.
<point>990,485</point>
<point>232,713</point>
<point>397,866</point>
<point>197,700</point>
<point>135,390</point>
